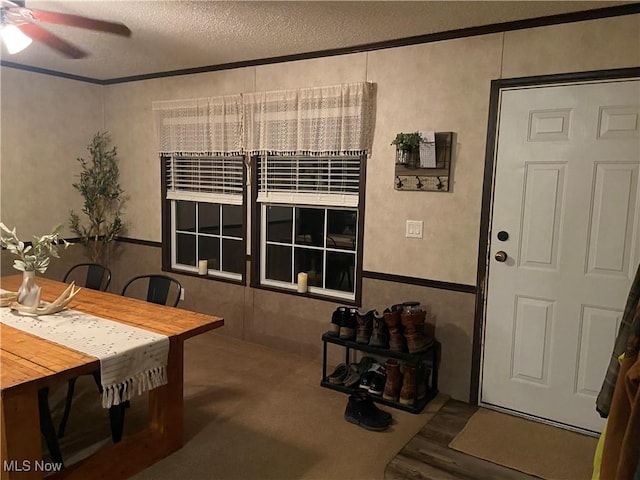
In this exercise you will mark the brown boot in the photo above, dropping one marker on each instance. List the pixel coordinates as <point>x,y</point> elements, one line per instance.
<point>414,331</point>
<point>409,385</point>
<point>379,333</point>
<point>408,391</point>
<point>394,380</point>
<point>393,321</point>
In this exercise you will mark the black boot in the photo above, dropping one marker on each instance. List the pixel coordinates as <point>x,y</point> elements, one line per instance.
<point>362,411</point>
<point>379,333</point>
<point>365,325</point>
<point>336,321</point>
<point>349,325</point>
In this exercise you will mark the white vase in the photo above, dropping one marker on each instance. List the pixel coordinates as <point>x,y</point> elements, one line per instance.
<point>29,292</point>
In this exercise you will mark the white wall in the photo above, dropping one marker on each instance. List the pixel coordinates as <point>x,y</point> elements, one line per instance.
<point>45,125</point>
<point>442,86</point>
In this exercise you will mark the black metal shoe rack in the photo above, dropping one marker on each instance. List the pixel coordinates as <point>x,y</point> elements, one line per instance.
<point>427,360</point>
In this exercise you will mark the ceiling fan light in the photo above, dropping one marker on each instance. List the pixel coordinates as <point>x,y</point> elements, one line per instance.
<point>14,39</point>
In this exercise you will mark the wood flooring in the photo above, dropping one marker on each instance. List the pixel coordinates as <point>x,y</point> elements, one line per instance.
<point>428,456</point>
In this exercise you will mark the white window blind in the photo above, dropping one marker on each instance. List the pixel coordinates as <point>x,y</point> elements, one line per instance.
<point>208,179</point>
<point>333,181</point>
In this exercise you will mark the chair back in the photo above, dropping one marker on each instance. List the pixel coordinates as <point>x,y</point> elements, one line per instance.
<point>89,275</point>
<point>159,288</point>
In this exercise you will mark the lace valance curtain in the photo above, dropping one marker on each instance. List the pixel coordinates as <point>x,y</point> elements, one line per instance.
<point>334,120</point>
<point>202,126</point>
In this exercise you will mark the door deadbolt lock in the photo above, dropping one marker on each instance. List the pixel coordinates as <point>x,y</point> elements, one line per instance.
<point>501,256</point>
<point>503,236</point>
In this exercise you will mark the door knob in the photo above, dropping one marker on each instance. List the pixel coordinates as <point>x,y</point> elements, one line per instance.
<point>501,256</point>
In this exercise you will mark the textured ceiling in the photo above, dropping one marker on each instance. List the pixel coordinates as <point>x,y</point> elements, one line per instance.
<point>180,34</point>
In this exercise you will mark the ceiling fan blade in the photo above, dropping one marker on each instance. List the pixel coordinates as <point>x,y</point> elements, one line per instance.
<point>39,34</point>
<point>81,22</point>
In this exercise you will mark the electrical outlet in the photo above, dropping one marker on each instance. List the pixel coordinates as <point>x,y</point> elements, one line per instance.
<point>414,229</point>
<point>182,294</point>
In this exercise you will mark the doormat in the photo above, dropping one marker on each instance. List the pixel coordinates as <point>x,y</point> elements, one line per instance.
<point>530,447</point>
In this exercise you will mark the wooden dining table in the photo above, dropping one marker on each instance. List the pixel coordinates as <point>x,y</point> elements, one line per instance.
<point>29,363</point>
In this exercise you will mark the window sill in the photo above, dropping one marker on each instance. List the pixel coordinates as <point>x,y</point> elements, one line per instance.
<point>187,273</point>
<point>314,296</point>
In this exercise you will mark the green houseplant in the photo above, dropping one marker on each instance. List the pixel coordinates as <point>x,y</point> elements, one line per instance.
<point>31,258</point>
<point>103,197</point>
<point>407,148</point>
<point>407,141</point>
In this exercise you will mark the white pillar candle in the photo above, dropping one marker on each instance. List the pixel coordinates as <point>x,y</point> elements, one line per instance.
<point>202,267</point>
<point>302,282</point>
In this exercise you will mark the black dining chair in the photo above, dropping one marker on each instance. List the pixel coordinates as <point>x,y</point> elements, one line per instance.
<point>158,289</point>
<point>46,426</point>
<point>89,275</point>
<point>95,277</point>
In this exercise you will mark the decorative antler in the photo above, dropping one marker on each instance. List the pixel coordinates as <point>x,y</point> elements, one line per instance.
<point>7,298</point>
<point>54,307</point>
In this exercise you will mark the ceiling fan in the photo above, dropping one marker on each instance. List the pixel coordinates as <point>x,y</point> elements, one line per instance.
<point>19,25</point>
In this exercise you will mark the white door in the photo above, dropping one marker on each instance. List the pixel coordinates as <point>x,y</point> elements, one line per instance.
<point>566,194</point>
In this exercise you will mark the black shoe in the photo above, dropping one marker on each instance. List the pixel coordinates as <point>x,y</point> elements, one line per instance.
<point>377,383</point>
<point>362,411</point>
<point>365,325</point>
<point>365,381</point>
<point>385,415</point>
<point>374,380</point>
<point>336,321</point>
<point>379,333</point>
<point>349,325</point>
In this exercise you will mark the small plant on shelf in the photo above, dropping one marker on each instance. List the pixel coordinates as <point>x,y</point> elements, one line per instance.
<point>407,149</point>
<point>408,142</point>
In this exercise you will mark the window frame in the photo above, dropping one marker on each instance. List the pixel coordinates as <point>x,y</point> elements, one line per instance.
<point>168,232</point>
<point>258,241</point>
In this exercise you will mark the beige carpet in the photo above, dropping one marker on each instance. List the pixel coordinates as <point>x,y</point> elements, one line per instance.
<point>531,447</point>
<point>253,413</point>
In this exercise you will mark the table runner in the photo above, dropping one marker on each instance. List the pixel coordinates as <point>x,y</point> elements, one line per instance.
<point>132,360</point>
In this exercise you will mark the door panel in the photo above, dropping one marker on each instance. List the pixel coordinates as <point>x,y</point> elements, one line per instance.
<point>542,210</point>
<point>598,326</point>
<point>531,349</point>
<point>567,162</point>
<point>611,235</point>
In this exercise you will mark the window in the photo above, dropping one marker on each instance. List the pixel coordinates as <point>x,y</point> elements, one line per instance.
<point>309,146</point>
<point>309,221</point>
<point>205,199</point>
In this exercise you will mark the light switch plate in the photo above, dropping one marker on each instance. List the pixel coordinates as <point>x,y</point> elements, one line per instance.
<point>414,229</point>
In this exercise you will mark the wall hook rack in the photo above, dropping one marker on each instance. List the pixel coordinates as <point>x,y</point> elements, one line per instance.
<point>435,179</point>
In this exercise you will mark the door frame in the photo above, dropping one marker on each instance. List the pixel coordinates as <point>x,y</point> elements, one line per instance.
<point>484,243</point>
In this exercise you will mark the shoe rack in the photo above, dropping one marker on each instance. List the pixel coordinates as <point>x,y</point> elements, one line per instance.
<point>425,361</point>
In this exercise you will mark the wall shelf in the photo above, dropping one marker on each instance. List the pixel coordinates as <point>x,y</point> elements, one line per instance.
<point>408,178</point>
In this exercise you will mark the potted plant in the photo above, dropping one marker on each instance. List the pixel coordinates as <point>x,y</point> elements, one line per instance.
<point>103,197</point>
<point>408,149</point>
<point>31,259</point>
